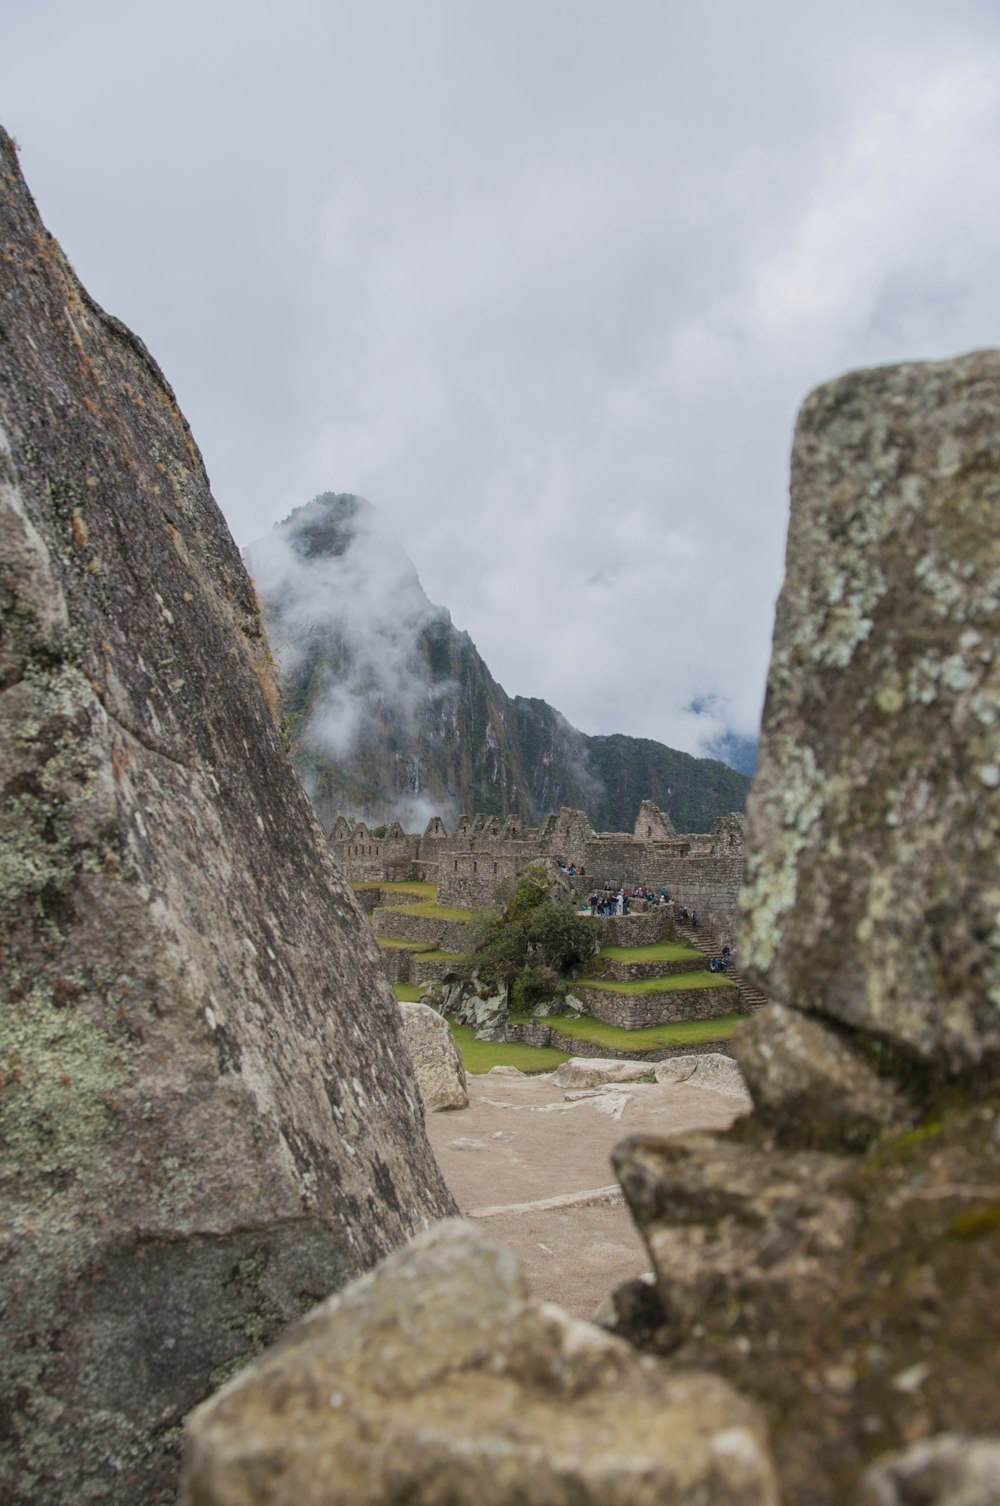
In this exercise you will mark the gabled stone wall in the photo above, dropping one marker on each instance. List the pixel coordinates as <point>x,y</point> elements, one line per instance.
<point>702,871</point>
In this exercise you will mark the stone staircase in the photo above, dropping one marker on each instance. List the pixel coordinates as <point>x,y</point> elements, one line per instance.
<point>705,939</point>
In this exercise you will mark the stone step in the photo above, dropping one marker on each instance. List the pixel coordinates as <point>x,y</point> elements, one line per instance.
<point>751,998</point>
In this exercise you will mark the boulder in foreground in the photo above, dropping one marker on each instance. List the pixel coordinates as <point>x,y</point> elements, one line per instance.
<point>437,1379</point>
<point>207,1117</point>
<point>436,1059</point>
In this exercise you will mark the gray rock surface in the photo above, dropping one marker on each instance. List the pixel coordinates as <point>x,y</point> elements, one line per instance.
<point>207,1116</point>
<point>594,1072</point>
<point>808,1081</point>
<point>436,1058</point>
<point>835,1255</point>
<point>707,1069</point>
<point>436,1379</point>
<point>874,822</point>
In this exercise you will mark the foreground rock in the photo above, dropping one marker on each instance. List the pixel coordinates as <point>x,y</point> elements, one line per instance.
<point>436,1058</point>
<point>851,1293</point>
<point>437,1379</point>
<point>208,1118</point>
<point>874,821</point>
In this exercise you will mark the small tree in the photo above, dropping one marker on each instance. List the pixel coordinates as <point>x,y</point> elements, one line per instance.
<point>531,939</point>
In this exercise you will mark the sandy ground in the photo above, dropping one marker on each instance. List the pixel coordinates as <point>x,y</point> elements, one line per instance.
<point>534,1166</point>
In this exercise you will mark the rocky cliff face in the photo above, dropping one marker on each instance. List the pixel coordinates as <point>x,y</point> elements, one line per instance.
<point>207,1117</point>
<point>396,716</point>
<point>834,1258</point>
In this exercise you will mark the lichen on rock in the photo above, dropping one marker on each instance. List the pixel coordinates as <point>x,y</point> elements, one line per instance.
<point>207,1116</point>
<point>874,821</point>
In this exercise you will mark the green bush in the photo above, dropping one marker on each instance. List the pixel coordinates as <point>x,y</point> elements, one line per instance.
<point>531,940</point>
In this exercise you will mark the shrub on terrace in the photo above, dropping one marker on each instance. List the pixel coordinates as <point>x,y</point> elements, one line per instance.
<point>533,938</point>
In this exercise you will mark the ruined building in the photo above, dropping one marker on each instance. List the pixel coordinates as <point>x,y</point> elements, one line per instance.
<point>703,871</point>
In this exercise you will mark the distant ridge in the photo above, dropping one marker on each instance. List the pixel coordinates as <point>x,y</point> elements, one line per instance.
<point>395,715</point>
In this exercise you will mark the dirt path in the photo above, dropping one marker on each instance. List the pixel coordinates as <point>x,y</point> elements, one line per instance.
<point>534,1166</point>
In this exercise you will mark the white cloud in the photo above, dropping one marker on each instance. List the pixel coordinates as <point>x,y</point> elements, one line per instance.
<point>545,282</point>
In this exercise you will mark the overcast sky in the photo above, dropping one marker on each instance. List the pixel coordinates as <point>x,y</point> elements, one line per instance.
<point>545,280</point>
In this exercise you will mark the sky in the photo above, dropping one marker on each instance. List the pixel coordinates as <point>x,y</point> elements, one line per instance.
<point>545,280</point>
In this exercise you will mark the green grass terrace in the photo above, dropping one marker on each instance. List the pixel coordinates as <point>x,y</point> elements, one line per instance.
<point>680,981</point>
<point>649,1037</point>
<point>434,911</point>
<point>416,890</point>
<point>659,951</point>
<point>480,1056</point>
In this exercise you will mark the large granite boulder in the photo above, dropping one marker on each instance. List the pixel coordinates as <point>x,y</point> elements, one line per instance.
<point>436,1058</point>
<point>207,1117</point>
<point>872,893</point>
<point>836,1254</point>
<point>437,1379</point>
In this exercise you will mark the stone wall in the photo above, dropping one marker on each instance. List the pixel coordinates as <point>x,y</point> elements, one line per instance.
<point>634,1011</point>
<point>544,1033</point>
<point>702,871</point>
<point>635,972</point>
<point>449,935</point>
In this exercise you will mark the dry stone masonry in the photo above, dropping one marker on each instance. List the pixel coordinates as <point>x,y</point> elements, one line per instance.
<point>704,871</point>
<point>208,1119</point>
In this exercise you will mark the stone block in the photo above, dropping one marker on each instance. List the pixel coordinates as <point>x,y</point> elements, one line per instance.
<point>438,1379</point>
<point>872,886</point>
<point>811,1085</point>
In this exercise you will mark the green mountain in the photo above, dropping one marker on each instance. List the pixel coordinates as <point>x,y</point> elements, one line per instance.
<point>394,714</point>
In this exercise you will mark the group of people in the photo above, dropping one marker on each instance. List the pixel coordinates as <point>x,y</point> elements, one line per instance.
<point>607,902</point>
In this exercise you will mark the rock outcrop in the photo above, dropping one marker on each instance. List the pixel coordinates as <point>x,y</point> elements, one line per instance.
<point>835,1254</point>
<point>436,1058</point>
<point>872,894</point>
<point>436,1379</point>
<point>207,1117</point>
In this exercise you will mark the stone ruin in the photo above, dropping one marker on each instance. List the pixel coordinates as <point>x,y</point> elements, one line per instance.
<point>704,871</point>
<point>831,1263</point>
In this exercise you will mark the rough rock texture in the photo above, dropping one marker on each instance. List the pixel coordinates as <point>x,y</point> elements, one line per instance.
<point>808,1081</point>
<point>436,1058</point>
<point>946,1471</point>
<point>435,1379</point>
<point>707,1069</point>
<point>853,1294</point>
<point>471,1003</point>
<point>207,1118</point>
<point>873,893</point>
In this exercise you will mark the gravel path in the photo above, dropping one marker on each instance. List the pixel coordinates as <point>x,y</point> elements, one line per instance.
<point>532,1162</point>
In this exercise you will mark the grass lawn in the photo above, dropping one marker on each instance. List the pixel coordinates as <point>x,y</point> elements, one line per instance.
<point>408,993</point>
<point>418,890</point>
<point>434,911</point>
<point>680,1033</point>
<point>659,951</point>
<point>437,956</point>
<point>660,985</point>
<point>480,1056</point>
<point>422,947</point>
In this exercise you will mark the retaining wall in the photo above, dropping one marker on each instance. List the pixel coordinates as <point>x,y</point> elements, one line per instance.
<point>539,1033</point>
<point>633,1011</point>
<point>635,972</point>
<point>447,935</point>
